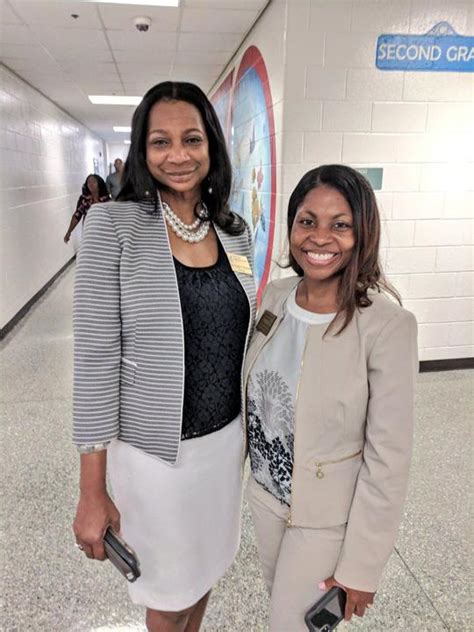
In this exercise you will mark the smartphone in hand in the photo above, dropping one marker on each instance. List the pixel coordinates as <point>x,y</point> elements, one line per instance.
<point>328,612</point>
<point>121,555</point>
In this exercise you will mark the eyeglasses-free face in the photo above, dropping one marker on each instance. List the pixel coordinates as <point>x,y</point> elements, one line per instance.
<point>177,148</point>
<point>322,237</point>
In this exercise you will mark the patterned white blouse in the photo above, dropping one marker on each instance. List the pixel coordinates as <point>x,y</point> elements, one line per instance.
<point>271,395</point>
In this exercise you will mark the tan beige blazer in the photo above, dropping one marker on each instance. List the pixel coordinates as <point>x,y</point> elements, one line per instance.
<point>353,428</point>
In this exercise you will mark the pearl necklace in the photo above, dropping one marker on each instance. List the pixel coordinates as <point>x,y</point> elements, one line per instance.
<point>187,232</point>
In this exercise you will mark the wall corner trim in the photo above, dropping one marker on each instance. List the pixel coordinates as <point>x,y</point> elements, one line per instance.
<point>26,308</point>
<point>448,364</point>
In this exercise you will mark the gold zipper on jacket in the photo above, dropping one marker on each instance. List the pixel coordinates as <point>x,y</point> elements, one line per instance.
<point>319,464</point>
<point>288,520</point>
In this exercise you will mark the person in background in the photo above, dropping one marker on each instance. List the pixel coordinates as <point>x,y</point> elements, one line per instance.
<point>93,192</point>
<point>113,180</point>
<point>163,311</point>
<point>330,377</point>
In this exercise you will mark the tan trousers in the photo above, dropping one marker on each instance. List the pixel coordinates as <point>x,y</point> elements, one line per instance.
<point>294,560</point>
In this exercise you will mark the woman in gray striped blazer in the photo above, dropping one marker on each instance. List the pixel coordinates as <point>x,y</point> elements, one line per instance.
<point>163,310</point>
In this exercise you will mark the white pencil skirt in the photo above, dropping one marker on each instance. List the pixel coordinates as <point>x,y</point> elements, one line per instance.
<point>183,521</point>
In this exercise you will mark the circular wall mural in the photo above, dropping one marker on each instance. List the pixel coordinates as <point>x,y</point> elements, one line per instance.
<point>252,142</point>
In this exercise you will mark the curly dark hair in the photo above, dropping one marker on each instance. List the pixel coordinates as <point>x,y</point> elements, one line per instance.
<point>138,183</point>
<point>364,270</point>
<point>102,186</point>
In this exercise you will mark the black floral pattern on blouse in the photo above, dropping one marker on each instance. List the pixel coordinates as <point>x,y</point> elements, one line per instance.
<point>270,433</point>
<point>216,316</point>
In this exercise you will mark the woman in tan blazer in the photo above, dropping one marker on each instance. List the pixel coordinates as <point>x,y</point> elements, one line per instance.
<point>330,378</point>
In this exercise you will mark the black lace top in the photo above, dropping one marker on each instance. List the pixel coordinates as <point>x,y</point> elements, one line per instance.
<point>215,317</point>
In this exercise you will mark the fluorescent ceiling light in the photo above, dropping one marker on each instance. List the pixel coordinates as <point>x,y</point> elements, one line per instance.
<point>155,3</point>
<point>125,128</point>
<point>112,99</point>
<point>127,142</point>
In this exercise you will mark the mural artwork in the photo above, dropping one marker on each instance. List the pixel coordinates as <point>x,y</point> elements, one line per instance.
<point>252,151</point>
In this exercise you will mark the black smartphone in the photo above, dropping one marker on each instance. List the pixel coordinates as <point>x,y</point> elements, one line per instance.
<point>328,612</point>
<point>121,555</point>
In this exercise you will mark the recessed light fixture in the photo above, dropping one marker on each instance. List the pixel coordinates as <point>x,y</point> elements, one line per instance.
<point>125,128</point>
<point>112,99</point>
<point>154,3</point>
<point>127,142</point>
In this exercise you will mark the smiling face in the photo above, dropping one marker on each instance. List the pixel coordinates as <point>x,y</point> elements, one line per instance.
<point>322,236</point>
<point>177,149</point>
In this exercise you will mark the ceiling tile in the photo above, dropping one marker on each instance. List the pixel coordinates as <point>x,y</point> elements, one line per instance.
<point>202,57</point>
<point>21,64</point>
<point>101,52</point>
<point>82,67</point>
<point>124,40</point>
<point>220,42</point>
<point>7,15</point>
<point>139,88</point>
<point>58,13</point>
<point>120,16</point>
<point>101,87</point>
<point>67,39</point>
<point>210,70</point>
<point>130,68</point>
<point>225,4</point>
<point>165,56</point>
<point>15,34</point>
<point>217,20</point>
<point>21,52</point>
<point>84,55</point>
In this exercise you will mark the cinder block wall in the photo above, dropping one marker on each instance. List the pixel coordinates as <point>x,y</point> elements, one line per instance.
<point>331,104</point>
<point>418,126</point>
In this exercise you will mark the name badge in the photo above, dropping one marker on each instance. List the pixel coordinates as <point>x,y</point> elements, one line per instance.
<point>265,322</point>
<point>239,263</point>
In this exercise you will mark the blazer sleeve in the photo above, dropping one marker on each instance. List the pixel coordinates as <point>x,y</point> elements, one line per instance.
<point>381,487</point>
<point>97,332</point>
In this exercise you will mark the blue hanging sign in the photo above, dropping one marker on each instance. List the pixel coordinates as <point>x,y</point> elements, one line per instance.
<point>440,50</point>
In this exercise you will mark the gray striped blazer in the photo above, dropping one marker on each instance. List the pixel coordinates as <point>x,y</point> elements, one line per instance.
<point>128,330</point>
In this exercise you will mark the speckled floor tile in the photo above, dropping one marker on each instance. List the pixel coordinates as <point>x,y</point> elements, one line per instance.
<point>48,586</point>
<point>37,354</point>
<point>435,534</point>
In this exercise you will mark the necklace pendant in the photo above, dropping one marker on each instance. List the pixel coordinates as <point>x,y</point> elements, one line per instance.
<point>191,233</point>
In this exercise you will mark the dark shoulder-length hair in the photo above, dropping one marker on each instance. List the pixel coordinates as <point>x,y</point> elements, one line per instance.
<point>364,271</point>
<point>137,182</point>
<point>100,181</point>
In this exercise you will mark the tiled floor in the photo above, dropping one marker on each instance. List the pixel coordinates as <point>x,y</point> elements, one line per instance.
<point>47,585</point>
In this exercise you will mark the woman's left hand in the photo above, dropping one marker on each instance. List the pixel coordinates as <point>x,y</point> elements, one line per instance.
<point>357,600</point>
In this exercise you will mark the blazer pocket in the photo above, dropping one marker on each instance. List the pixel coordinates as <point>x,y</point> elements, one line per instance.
<point>322,495</point>
<point>128,369</point>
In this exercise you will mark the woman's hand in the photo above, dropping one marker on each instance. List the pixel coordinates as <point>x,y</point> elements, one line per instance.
<point>95,512</point>
<point>67,237</point>
<point>357,600</point>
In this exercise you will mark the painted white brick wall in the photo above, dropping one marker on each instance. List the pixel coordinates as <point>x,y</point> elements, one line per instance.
<point>332,105</point>
<point>418,126</point>
<point>45,156</point>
